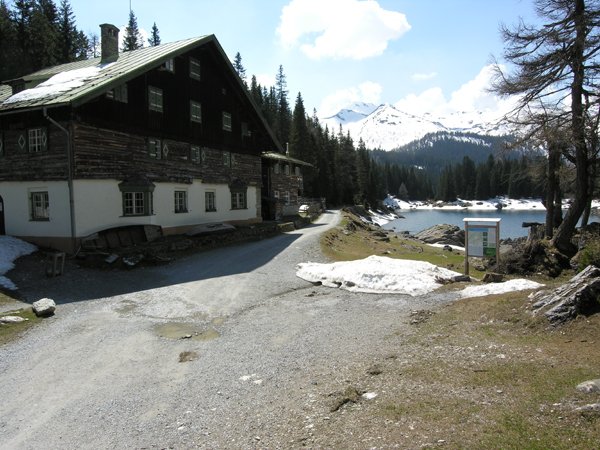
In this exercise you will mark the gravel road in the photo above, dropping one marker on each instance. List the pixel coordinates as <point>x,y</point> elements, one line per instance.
<point>222,349</point>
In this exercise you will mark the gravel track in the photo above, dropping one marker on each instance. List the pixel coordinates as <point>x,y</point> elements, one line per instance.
<point>263,353</point>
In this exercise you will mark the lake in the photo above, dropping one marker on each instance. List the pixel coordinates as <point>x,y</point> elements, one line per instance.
<point>416,220</point>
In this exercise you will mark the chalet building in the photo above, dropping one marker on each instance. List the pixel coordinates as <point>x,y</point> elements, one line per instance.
<point>165,136</point>
<point>283,185</point>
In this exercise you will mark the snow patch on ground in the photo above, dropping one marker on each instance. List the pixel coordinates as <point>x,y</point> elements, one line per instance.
<point>10,249</point>
<point>378,274</point>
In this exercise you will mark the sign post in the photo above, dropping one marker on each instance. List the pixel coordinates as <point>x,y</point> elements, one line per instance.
<point>482,239</point>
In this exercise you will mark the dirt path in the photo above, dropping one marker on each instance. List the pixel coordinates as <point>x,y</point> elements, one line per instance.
<point>224,349</point>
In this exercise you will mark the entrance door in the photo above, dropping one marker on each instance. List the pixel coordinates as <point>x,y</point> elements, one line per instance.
<point>2,229</point>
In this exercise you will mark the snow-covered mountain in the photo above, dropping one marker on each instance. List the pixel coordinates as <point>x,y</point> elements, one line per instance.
<point>387,128</point>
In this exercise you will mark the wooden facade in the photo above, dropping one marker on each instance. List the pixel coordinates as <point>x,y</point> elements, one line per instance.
<point>187,120</point>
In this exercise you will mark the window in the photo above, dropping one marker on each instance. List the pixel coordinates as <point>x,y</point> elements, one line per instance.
<point>39,205</point>
<point>37,139</point>
<point>134,203</point>
<point>181,202</point>
<point>210,201</point>
<point>226,121</point>
<point>286,197</point>
<point>286,169</point>
<point>276,194</point>
<point>195,153</point>
<point>195,69</point>
<point>297,171</point>
<point>170,65</point>
<point>154,148</point>
<point>118,94</point>
<point>277,168</point>
<point>227,159</point>
<point>137,197</point>
<point>238,200</point>
<point>155,99</point>
<point>195,112</point>
<point>245,130</point>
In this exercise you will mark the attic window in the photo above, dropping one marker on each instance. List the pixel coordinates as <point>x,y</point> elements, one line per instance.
<point>155,99</point>
<point>195,69</point>
<point>118,94</point>
<point>170,65</point>
<point>226,121</point>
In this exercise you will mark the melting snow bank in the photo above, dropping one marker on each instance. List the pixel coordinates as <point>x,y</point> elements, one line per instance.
<point>377,274</point>
<point>492,204</point>
<point>10,249</point>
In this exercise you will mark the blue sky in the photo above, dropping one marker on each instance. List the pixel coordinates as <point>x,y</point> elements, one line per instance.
<point>417,54</point>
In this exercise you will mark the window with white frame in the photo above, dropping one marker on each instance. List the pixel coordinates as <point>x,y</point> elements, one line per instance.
<point>181,202</point>
<point>37,139</point>
<point>226,121</point>
<point>155,99</point>
<point>238,199</point>
<point>195,69</point>
<point>137,197</point>
<point>154,148</point>
<point>39,205</point>
<point>195,111</point>
<point>210,201</point>
<point>195,154</point>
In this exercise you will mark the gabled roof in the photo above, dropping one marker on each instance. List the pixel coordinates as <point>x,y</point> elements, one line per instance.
<point>77,82</point>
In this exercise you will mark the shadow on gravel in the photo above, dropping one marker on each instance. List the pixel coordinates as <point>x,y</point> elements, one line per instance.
<point>80,284</point>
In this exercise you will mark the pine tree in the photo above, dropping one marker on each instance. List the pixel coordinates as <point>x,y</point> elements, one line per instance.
<point>239,68</point>
<point>68,34</point>
<point>154,38</point>
<point>282,116</point>
<point>9,49</point>
<point>133,38</point>
<point>42,36</point>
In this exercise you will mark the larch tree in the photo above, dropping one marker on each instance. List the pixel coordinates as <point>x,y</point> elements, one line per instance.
<point>555,79</point>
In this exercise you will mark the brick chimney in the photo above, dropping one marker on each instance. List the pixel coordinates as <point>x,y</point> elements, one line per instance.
<point>109,35</point>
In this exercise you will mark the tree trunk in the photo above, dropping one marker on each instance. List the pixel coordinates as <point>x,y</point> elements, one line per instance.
<point>562,239</point>
<point>551,190</point>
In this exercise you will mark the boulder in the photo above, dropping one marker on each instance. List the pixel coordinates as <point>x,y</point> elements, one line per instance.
<point>491,277</point>
<point>443,234</point>
<point>44,307</point>
<point>589,386</point>
<point>578,296</point>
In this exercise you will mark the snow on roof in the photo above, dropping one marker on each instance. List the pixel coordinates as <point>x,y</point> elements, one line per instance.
<point>61,82</point>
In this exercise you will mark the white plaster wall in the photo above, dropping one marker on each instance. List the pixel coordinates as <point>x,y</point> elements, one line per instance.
<point>98,206</point>
<point>17,212</point>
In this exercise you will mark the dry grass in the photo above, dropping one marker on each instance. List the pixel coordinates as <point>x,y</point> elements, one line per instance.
<point>481,372</point>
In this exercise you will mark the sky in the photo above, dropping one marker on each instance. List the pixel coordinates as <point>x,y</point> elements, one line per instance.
<point>419,55</point>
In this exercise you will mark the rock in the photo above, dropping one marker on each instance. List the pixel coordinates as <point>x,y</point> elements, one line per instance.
<point>44,307</point>
<point>443,234</point>
<point>578,296</point>
<point>133,260</point>
<point>593,408</point>
<point>448,248</point>
<point>12,319</point>
<point>589,386</point>
<point>491,277</point>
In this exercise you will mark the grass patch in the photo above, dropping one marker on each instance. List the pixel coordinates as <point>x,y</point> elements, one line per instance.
<point>11,331</point>
<point>481,372</point>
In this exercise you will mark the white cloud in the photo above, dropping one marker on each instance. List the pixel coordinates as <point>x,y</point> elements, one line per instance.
<point>470,97</point>
<point>367,92</point>
<point>423,76</point>
<point>354,29</point>
<point>265,80</point>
